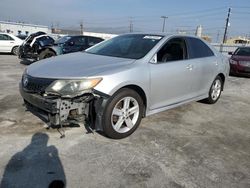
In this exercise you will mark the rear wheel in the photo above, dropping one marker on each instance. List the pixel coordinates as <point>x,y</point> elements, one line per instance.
<point>215,91</point>
<point>123,114</point>
<point>46,54</point>
<point>15,50</point>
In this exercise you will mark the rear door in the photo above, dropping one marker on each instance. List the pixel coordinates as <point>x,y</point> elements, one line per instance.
<point>79,43</point>
<point>6,43</point>
<point>205,62</point>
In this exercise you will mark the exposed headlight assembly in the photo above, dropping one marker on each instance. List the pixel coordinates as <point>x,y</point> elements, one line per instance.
<point>71,88</point>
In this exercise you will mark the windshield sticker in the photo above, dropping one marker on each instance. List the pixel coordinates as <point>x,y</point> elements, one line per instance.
<point>152,37</point>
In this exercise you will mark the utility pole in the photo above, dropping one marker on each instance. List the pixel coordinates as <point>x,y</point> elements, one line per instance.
<point>81,28</point>
<point>227,24</point>
<point>218,36</point>
<point>130,25</point>
<point>164,20</point>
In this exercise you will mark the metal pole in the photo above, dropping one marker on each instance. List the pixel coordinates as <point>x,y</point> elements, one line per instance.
<point>227,22</point>
<point>130,26</point>
<point>81,28</point>
<point>164,20</point>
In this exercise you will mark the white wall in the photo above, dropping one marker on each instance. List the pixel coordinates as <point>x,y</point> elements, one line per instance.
<point>13,28</point>
<point>101,35</point>
<point>225,48</point>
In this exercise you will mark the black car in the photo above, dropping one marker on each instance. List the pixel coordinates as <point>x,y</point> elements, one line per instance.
<point>69,44</point>
<point>64,45</point>
<point>34,46</point>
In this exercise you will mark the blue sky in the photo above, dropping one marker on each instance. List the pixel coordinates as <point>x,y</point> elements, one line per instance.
<point>114,15</point>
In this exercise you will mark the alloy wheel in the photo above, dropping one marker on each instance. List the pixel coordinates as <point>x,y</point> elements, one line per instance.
<point>216,89</point>
<point>125,114</point>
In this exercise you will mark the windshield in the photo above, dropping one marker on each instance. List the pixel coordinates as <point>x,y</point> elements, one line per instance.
<point>242,52</point>
<point>63,40</point>
<point>132,46</point>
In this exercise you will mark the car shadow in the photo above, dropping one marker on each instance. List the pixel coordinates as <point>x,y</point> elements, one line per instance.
<point>240,75</point>
<point>26,62</point>
<point>37,165</point>
<point>5,53</point>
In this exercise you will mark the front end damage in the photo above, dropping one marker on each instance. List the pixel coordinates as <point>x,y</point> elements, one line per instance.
<point>60,111</point>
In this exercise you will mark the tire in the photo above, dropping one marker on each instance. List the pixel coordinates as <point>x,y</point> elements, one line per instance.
<point>122,114</point>
<point>46,54</point>
<point>14,50</point>
<point>214,91</point>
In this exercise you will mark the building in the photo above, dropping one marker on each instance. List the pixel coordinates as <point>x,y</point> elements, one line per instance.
<point>21,28</point>
<point>78,32</point>
<point>238,40</point>
<point>65,31</point>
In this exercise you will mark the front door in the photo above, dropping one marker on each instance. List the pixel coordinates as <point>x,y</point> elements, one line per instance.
<point>172,76</point>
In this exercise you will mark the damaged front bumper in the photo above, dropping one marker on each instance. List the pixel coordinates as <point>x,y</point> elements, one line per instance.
<point>55,110</point>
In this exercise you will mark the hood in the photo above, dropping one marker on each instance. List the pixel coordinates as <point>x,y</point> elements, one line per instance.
<point>240,58</point>
<point>75,65</point>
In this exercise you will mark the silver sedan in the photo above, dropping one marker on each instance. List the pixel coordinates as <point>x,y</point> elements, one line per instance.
<point>113,85</point>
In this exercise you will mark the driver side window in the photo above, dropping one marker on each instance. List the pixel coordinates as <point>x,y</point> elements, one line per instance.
<point>173,50</point>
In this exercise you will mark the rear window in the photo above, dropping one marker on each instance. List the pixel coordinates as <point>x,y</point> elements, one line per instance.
<point>242,52</point>
<point>198,49</point>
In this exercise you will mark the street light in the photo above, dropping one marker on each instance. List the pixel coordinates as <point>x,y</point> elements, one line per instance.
<point>164,20</point>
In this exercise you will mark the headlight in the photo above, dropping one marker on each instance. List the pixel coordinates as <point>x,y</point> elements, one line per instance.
<point>72,87</point>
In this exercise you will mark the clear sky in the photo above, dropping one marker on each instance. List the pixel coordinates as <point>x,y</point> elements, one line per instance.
<point>114,15</point>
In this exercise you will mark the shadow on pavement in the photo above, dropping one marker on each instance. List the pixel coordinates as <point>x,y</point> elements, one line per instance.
<point>26,62</point>
<point>37,165</point>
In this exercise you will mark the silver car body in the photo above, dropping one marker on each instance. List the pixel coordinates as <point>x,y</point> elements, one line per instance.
<point>165,85</point>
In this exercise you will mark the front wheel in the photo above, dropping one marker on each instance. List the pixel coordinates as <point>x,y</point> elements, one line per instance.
<point>215,91</point>
<point>46,54</point>
<point>123,114</point>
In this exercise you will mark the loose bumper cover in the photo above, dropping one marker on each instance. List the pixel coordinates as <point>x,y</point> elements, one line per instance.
<point>55,110</point>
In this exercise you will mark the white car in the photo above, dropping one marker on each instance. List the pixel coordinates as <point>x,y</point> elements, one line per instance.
<point>9,43</point>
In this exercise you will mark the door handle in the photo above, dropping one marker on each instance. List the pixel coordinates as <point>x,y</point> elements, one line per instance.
<point>190,67</point>
<point>11,42</point>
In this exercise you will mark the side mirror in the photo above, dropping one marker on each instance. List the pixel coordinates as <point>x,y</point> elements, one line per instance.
<point>153,60</point>
<point>230,53</point>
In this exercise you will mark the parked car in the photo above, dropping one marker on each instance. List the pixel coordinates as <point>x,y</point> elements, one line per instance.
<point>119,81</point>
<point>69,44</point>
<point>34,46</point>
<point>22,36</point>
<point>9,43</point>
<point>240,61</point>
<point>45,47</point>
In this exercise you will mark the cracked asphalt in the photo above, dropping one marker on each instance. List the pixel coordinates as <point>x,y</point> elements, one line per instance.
<point>195,145</point>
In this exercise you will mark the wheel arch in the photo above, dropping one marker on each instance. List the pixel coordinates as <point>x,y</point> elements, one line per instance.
<point>16,46</point>
<point>222,76</point>
<point>49,49</point>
